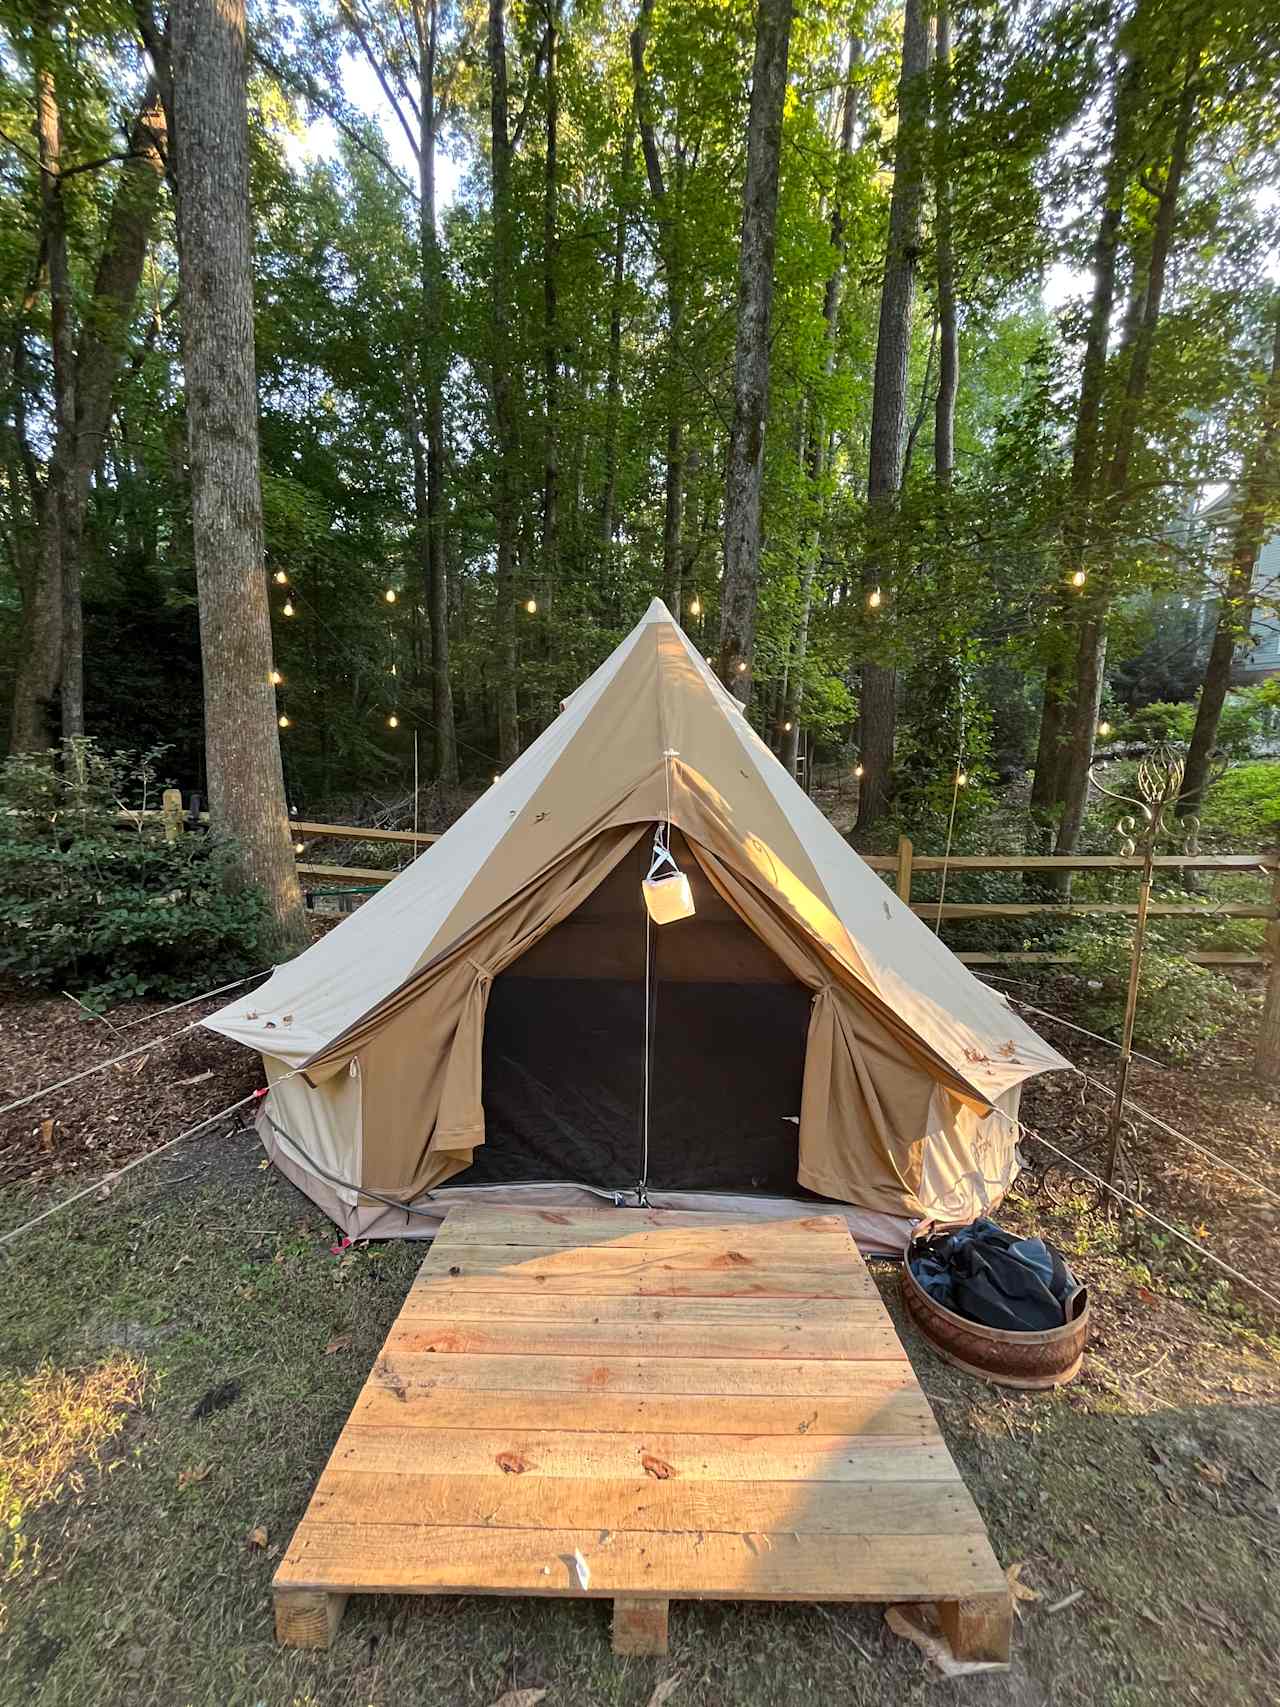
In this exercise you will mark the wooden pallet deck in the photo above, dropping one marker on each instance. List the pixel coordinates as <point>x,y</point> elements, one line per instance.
<point>642,1406</point>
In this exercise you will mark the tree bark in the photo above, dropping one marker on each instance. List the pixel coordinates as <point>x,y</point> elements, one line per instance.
<point>878,712</point>
<point>211,169</point>
<point>1092,650</point>
<point>613,379</point>
<point>944,409</point>
<point>819,436</point>
<point>444,740</point>
<point>103,339</point>
<point>1258,502</point>
<point>504,403</point>
<point>744,475</point>
<point>550,308</point>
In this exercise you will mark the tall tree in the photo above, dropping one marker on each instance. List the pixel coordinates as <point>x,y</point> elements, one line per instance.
<point>550,302</point>
<point>503,382</point>
<point>944,410</point>
<point>744,478</point>
<point>1256,507</point>
<point>879,708</point>
<point>209,123</point>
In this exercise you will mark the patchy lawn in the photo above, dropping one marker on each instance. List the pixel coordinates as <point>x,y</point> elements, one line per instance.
<point>177,1358</point>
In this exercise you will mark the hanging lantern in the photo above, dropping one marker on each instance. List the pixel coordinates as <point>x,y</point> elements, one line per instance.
<point>288,607</point>
<point>531,605</point>
<point>666,891</point>
<point>282,580</point>
<point>275,678</point>
<point>874,598</point>
<point>283,720</point>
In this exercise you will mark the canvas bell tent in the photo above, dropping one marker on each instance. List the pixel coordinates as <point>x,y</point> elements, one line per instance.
<point>506,1017</point>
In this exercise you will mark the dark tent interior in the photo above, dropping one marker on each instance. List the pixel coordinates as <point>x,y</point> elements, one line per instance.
<point>564,1050</point>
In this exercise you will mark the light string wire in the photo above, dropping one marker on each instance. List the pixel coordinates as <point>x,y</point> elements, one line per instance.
<point>951,821</point>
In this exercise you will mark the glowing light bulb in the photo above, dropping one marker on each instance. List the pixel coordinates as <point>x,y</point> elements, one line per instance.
<point>275,678</point>
<point>288,607</point>
<point>390,595</point>
<point>282,580</point>
<point>857,770</point>
<point>1079,578</point>
<point>962,779</point>
<point>495,776</point>
<point>708,657</point>
<point>297,847</point>
<point>393,670</point>
<point>393,722</point>
<point>874,598</point>
<point>742,666</point>
<point>695,607</point>
<point>531,605</point>
<point>283,721</point>
<point>1104,729</point>
<point>787,726</point>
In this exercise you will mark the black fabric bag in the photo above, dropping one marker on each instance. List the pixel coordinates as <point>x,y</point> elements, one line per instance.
<point>993,1283</point>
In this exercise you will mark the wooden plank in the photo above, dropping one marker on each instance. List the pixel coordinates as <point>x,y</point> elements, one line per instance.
<point>358,832</point>
<point>522,1337</point>
<point>590,1307</point>
<point>593,1264</point>
<point>816,1378</point>
<point>401,1404</point>
<point>1123,909</point>
<point>407,1558</point>
<point>554,1453</point>
<point>640,1625</point>
<point>592,1504</point>
<point>657,1282</point>
<point>348,873</point>
<point>549,1229</point>
<point>1077,862</point>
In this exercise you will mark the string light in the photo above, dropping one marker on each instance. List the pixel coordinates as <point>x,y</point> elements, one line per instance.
<point>1079,578</point>
<point>283,720</point>
<point>275,678</point>
<point>695,606</point>
<point>282,580</point>
<point>962,779</point>
<point>393,722</point>
<point>857,769</point>
<point>1104,729</point>
<point>393,670</point>
<point>288,607</point>
<point>297,847</point>
<point>495,776</point>
<point>742,666</point>
<point>531,605</point>
<point>708,657</point>
<point>787,726</point>
<point>874,598</point>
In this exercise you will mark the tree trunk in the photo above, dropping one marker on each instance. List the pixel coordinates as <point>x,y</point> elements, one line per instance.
<point>103,340</point>
<point>1092,651</point>
<point>944,409</point>
<point>44,607</point>
<point>211,168</point>
<point>444,740</point>
<point>744,475</point>
<point>504,404</point>
<point>550,311</point>
<point>613,381</point>
<point>793,695</point>
<point>878,710</point>
<point>1258,499</point>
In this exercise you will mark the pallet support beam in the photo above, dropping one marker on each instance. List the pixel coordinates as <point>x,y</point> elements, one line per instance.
<point>639,1625</point>
<point>980,1628</point>
<point>307,1618</point>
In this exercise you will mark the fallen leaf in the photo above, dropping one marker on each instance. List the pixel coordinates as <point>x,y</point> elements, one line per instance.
<point>1018,1590</point>
<point>1214,1474</point>
<point>665,1690</point>
<point>658,1468</point>
<point>341,1342</point>
<point>522,1698</point>
<point>257,1537</point>
<point>199,1473</point>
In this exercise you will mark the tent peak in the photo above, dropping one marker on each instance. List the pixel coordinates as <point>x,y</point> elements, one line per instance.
<point>657,612</point>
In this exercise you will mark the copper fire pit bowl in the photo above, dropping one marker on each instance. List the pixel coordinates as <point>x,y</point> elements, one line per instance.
<point>1047,1359</point>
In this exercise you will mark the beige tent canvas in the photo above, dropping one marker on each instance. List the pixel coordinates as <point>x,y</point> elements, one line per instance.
<point>505,1019</point>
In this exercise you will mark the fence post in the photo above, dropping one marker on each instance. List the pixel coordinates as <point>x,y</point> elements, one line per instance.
<point>1268,1056</point>
<point>905,852</point>
<point>171,811</point>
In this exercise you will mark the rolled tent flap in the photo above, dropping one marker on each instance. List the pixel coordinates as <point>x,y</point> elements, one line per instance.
<point>420,1050</point>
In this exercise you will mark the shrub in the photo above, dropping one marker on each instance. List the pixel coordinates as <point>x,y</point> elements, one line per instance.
<point>1181,1006</point>
<point>1243,807</point>
<point>113,912</point>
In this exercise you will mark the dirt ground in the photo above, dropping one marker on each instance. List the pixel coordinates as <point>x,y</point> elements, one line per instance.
<point>137,1569</point>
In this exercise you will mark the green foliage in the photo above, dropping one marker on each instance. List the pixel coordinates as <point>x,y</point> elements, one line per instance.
<point>110,911</point>
<point>1242,809</point>
<point>1181,1006</point>
<point>1247,716</point>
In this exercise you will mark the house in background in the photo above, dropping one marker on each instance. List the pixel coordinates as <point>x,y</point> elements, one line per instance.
<point>1263,657</point>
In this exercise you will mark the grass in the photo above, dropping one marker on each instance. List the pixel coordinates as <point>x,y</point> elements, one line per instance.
<point>182,1355</point>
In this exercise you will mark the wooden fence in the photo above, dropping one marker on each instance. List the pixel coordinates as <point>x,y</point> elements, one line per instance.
<point>903,866</point>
